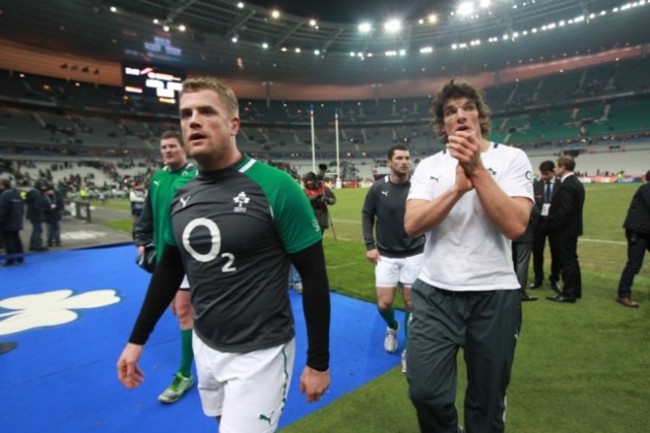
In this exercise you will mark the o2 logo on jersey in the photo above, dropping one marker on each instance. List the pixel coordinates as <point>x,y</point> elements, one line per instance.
<point>215,244</point>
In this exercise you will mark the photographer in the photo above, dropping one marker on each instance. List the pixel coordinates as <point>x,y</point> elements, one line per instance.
<point>320,197</point>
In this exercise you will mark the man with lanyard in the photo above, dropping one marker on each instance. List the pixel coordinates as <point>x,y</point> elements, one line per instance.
<point>470,200</point>
<point>235,229</point>
<point>397,256</point>
<point>154,222</point>
<point>545,189</point>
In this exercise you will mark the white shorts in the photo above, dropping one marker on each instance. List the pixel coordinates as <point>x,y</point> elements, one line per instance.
<point>390,271</point>
<point>247,390</point>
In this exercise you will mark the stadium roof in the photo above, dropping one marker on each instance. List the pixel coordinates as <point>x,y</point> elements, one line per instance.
<point>244,40</point>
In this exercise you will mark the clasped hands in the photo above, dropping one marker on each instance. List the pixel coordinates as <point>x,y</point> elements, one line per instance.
<point>466,148</point>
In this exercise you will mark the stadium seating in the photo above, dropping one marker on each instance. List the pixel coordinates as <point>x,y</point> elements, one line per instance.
<point>581,110</point>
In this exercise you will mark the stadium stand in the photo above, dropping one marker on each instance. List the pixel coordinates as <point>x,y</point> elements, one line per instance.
<point>593,111</point>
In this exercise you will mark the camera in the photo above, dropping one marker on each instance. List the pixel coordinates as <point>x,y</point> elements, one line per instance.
<point>322,169</point>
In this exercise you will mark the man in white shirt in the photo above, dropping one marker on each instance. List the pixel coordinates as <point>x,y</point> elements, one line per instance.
<point>470,200</point>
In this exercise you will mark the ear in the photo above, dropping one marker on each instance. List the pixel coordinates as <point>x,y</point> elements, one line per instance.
<point>234,125</point>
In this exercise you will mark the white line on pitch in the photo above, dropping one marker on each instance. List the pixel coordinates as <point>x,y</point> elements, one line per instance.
<point>602,241</point>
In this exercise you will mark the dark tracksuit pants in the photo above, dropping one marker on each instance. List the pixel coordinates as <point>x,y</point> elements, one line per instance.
<point>486,324</point>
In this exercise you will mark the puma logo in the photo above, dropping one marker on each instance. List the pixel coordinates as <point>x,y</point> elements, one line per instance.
<point>156,182</point>
<point>263,417</point>
<point>385,193</point>
<point>434,178</point>
<point>184,200</point>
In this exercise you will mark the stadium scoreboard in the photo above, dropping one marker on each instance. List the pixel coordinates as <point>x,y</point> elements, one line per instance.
<point>161,82</point>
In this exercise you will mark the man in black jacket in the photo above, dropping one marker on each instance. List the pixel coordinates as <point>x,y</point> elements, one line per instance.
<point>565,226</point>
<point>11,222</point>
<point>36,204</point>
<point>53,214</point>
<point>545,189</point>
<point>397,257</point>
<point>637,232</point>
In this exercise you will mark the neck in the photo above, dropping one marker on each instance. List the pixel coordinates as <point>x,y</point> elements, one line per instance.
<point>485,145</point>
<point>219,162</point>
<point>398,178</point>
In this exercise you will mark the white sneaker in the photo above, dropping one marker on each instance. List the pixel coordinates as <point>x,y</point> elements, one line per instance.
<point>403,361</point>
<point>390,341</point>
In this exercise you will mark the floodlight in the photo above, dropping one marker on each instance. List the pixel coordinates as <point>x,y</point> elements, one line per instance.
<point>240,5</point>
<point>275,14</point>
<point>365,27</point>
<point>466,8</point>
<point>393,26</point>
<point>182,28</point>
<point>265,45</point>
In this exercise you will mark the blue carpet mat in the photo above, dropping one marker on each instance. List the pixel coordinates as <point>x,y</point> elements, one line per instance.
<point>71,313</point>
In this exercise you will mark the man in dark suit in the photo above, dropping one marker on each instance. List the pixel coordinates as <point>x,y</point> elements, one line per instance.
<point>564,226</point>
<point>637,233</point>
<point>11,223</point>
<point>545,189</point>
<point>36,204</point>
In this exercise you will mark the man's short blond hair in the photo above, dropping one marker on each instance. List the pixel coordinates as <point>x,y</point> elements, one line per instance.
<point>209,83</point>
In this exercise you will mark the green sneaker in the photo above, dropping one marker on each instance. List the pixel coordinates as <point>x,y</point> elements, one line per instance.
<point>177,389</point>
